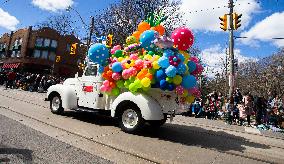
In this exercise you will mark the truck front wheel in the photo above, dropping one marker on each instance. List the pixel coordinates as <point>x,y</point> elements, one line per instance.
<point>56,105</point>
<point>131,119</point>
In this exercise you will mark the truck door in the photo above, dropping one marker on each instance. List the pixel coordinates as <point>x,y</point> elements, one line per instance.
<point>89,94</point>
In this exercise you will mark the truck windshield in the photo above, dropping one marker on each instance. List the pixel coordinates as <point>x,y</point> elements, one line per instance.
<point>91,70</point>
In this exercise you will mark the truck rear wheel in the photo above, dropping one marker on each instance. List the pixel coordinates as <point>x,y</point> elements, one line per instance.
<point>130,119</point>
<point>56,105</point>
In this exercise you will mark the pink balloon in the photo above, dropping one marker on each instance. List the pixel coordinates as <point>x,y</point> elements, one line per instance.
<point>115,48</point>
<point>182,38</point>
<point>192,90</point>
<point>116,76</point>
<point>106,83</point>
<point>133,57</point>
<point>179,90</point>
<point>194,59</point>
<point>103,88</point>
<point>126,74</point>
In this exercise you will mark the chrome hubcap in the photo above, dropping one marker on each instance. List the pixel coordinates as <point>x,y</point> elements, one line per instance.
<point>55,104</point>
<point>129,118</point>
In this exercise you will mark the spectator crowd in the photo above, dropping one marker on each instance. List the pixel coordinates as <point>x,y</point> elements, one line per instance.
<point>242,110</point>
<point>28,81</point>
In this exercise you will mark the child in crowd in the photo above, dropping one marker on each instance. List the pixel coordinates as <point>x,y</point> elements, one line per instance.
<point>242,113</point>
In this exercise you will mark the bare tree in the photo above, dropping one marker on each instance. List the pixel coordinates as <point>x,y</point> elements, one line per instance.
<point>121,19</point>
<point>62,23</point>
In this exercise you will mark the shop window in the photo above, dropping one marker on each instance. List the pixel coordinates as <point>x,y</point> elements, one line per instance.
<point>46,42</point>
<point>44,55</point>
<point>39,42</point>
<point>18,53</point>
<point>13,54</point>
<point>36,54</point>
<point>52,56</point>
<point>53,43</point>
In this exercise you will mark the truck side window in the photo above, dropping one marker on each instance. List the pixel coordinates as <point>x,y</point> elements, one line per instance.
<point>92,70</point>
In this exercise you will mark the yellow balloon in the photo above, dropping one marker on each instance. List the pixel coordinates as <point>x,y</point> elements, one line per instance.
<point>185,93</point>
<point>146,82</point>
<point>155,65</point>
<point>190,99</point>
<point>120,59</point>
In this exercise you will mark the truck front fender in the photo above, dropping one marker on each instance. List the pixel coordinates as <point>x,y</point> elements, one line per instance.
<point>67,94</point>
<point>149,107</point>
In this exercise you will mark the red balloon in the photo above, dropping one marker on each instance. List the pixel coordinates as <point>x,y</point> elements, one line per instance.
<point>182,38</point>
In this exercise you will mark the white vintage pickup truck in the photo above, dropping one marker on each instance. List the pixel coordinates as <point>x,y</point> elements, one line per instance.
<point>132,110</point>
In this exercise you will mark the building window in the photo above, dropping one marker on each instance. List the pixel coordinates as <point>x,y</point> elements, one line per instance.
<point>46,42</point>
<point>20,41</point>
<point>13,54</point>
<point>44,54</point>
<point>52,56</point>
<point>39,42</point>
<point>36,54</point>
<point>18,53</point>
<point>53,43</point>
<point>68,47</point>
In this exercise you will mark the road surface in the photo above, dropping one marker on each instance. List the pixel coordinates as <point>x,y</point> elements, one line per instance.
<point>185,140</point>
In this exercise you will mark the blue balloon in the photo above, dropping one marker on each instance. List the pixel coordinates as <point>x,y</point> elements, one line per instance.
<point>181,57</point>
<point>98,53</point>
<point>160,75</point>
<point>191,66</point>
<point>181,69</point>
<point>167,53</point>
<point>101,69</point>
<point>171,71</point>
<point>164,62</point>
<point>171,87</point>
<point>116,67</point>
<point>163,84</point>
<point>146,40</point>
<point>188,81</point>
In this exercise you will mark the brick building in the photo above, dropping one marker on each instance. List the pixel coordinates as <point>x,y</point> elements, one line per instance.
<point>40,51</point>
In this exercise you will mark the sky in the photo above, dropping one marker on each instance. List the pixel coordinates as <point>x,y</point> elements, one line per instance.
<point>262,20</point>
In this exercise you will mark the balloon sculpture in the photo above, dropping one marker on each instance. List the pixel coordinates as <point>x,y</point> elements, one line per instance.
<point>150,60</point>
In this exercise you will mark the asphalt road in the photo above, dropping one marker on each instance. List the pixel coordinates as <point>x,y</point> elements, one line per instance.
<point>185,140</point>
<point>21,144</point>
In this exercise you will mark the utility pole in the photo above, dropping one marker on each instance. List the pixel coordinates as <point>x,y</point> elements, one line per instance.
<point>91,33</point>
<point>231,50</point>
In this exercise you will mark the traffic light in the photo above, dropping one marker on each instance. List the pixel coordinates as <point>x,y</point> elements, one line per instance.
<point>109,40</point>
<point>58,58</point>
<point>237,20</point>
<point>224,23</point>
<point>73,49</point>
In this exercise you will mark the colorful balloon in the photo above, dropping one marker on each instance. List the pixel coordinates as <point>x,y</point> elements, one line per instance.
<point>146,40</point>
<point>164,62</point>
<point>191,66</point>
<point>98,53</point>
<point>143,26</point>
<point>116,67</point>
<point>182,38</point>
<point>171,71</point>
<point>188,81</point>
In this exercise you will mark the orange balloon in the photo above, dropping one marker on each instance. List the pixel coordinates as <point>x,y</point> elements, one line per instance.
<point>143,26</point>
<point>136,34</point>
<point>160,29</point>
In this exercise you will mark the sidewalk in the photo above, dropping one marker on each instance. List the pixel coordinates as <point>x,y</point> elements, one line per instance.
<point>221,124</point>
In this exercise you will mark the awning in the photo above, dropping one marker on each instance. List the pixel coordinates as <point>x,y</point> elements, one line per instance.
<point>10,65</point>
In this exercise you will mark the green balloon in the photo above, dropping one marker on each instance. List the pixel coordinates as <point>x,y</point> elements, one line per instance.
<point>115,91</point>
<point>138,83</point>
<point>151,53</point>
<point>132,87</point>
<point>118,53</point>
<point>127,83</point>
<point>132,79</point>
<point>120,84</point>
<point>169,79</point>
